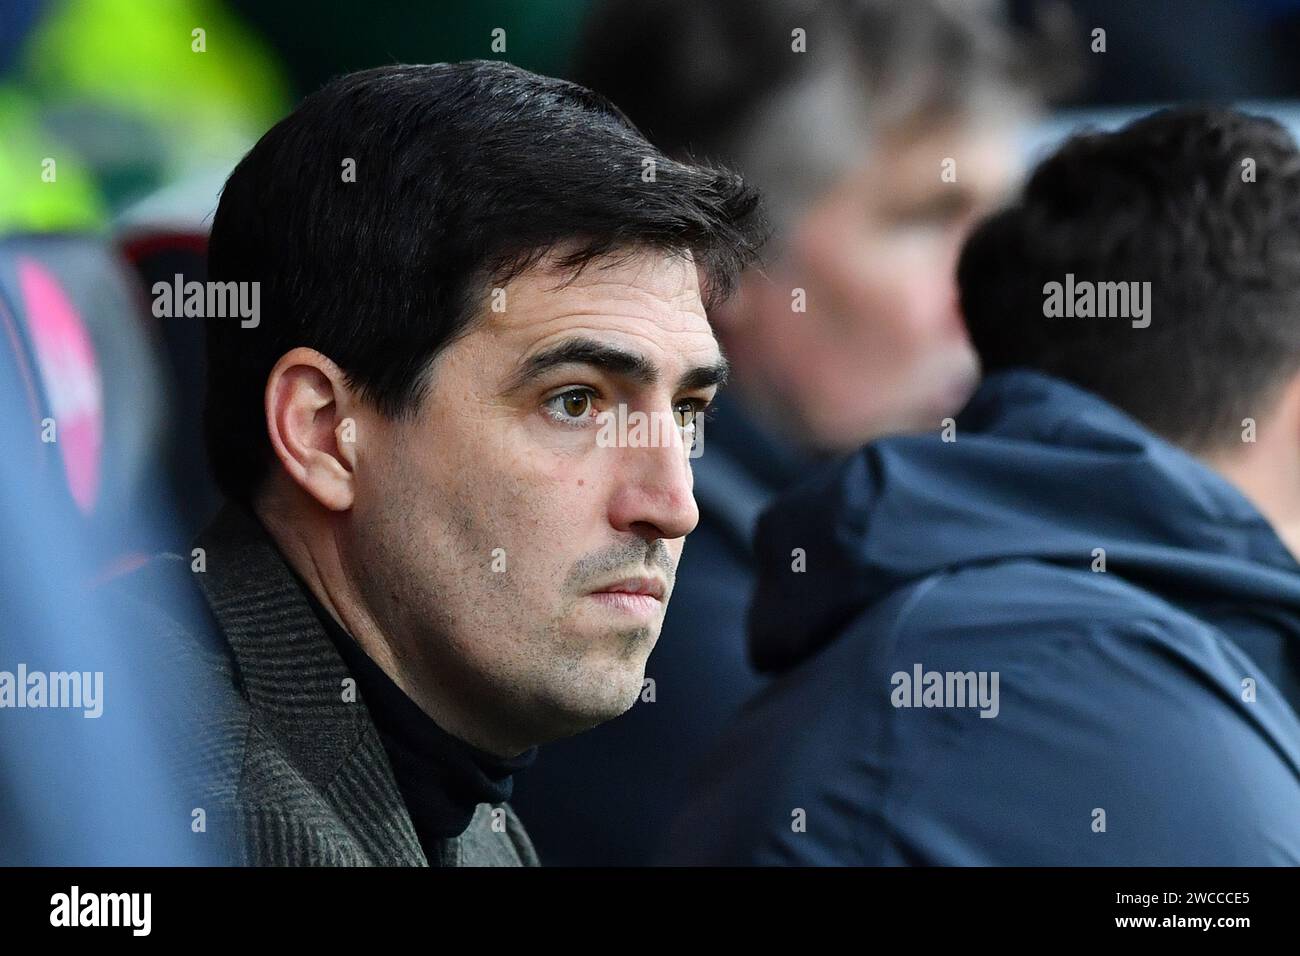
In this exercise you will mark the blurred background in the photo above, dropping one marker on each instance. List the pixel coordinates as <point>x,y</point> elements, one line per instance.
<point>879,132</point>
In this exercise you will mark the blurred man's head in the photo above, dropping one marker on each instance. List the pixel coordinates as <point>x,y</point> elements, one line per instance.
<point>1202,204</point>
<point>845,127</point>
<point>415,414</point>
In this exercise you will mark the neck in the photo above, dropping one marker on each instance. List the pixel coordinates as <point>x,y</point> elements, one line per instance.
<point>1267,472</point>
<point>312,546</point>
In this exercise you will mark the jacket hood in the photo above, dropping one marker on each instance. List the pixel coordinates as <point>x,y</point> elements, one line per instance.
<point>1039,469</point>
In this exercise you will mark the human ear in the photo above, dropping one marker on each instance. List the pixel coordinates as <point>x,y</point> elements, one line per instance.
<point>307,404</point>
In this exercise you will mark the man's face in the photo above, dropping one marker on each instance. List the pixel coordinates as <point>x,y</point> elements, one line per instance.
<point>881,347</point>
<point>489,531</point>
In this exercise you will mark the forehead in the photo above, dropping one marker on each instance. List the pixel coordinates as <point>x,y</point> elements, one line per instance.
<point>646,301</point>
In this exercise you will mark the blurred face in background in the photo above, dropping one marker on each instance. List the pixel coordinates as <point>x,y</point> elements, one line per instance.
<point>881,347</point>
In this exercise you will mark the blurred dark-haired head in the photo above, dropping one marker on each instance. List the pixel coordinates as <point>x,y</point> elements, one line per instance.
<point>1203,204</point>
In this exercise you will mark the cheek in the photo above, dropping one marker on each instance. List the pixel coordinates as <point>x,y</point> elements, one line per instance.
<point>501,490</point>
<point>862,312</point>
<point>540,501</point>
<point>437,507</point>
<point>899,298</point>
<point>850,273</point>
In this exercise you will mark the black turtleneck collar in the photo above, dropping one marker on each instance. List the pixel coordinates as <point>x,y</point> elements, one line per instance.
<point>442,778</point>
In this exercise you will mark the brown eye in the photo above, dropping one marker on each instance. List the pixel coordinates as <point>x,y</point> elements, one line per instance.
<point>574,407</point>
<point>685,413</point>
<point>576,404</point>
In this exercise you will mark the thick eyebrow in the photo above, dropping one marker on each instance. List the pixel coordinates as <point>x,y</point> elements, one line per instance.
<point>615,361</point>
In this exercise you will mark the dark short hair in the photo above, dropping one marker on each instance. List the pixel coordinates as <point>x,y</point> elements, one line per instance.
<point>1204,203</point>
<point>466,175</point>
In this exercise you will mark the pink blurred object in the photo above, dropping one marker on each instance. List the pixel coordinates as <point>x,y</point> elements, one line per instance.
<point>69,370</point>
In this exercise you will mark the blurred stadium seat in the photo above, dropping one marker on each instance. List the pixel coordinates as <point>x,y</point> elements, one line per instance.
<point>91,368</point>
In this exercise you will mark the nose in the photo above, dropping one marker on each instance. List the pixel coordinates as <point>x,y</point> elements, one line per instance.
<point>654,493</point>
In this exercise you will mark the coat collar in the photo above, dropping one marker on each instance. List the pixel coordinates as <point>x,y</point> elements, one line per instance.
<point>293,678</point>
